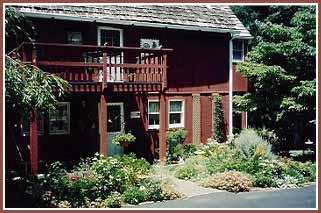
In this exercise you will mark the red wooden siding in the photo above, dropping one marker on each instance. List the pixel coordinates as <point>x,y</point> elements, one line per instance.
<point>240,83</point>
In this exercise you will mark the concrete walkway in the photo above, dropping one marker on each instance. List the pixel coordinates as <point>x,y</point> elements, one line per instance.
<point>189,188</point>
<point>185,187</point>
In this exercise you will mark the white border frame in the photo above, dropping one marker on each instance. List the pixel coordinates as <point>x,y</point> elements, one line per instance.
<point>155,126</point>
<point>68,112</point>
<point>182,124</point>
<point>122,118</point>
<point>59,16</point>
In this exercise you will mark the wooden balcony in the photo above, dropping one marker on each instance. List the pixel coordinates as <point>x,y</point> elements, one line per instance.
<point>95,68</point>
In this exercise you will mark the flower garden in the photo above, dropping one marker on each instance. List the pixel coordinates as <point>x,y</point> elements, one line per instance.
<point>111,182</point>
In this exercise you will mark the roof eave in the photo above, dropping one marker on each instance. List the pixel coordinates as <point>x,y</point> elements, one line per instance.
<point>133,23</point>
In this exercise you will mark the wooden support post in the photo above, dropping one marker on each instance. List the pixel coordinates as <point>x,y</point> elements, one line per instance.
<point>33,142</point>
<point>162,128</point>
<point>102,125</point>
<point>34,129</point>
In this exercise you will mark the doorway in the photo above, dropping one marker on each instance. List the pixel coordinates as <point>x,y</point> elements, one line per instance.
<point>115,126</point>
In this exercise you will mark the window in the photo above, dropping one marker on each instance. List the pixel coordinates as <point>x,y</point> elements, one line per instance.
<point>74,38</point>
<point>176,113</point>
<point>238,51</point>
<point>25,126</point>
<point>149,43</point>
<point>59,119</point>
<point>109,37</point>
<point>153,114</point>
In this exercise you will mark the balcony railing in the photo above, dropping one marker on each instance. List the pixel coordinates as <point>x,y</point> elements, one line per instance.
<point>89,64</point>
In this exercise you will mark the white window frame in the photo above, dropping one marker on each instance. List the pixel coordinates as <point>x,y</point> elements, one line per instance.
<point>110,28</point>
<point>238,60</point>
<point>68,114</point>
<point>154,126</point>
<point>179,125</point>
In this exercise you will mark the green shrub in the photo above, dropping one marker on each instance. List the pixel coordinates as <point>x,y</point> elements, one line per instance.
<point>270,136</point>
<point>231,181</point>
<point>218,127</point>
<point>91,181</point>
<point>152,190</point>
<point>193,168</point>
<point>249,143</point>
<point>168,191</point>
<point>306,172</point>
<point>175,137</point>
<point>134,195</point>
<point>189,150</point>
<point>113,201</point>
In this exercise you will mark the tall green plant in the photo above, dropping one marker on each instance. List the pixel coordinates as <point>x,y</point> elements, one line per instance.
<point>218,127</point>
<point>281,69</point>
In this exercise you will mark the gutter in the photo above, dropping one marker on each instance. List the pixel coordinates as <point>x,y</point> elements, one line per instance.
<point>230,129</point>
<point>124,22</point>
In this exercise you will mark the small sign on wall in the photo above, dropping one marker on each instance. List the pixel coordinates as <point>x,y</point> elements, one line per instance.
<point>135,114</point>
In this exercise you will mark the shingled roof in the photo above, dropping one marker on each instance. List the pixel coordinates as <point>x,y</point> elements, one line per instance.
<point>212,18</point>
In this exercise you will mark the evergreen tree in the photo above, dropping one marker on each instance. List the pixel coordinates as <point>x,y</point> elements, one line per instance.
<point>281,70</point>
<point>218,128</point>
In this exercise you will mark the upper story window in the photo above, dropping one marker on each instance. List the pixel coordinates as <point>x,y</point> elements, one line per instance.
<point>153,114</point>
<point>176,113</point>
<point>238,51</point>
<point>109,36</point>
<point>25,127</point>
<point>59,119</point>
<point>74,38</point>
<point>149,43</point>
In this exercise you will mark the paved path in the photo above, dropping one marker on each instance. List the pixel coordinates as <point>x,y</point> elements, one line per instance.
<point>287,198</point>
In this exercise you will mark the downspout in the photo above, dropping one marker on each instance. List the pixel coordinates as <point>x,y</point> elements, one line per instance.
<point>230,129</point>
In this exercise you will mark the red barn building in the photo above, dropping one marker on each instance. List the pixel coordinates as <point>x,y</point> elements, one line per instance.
<point>138,68</point>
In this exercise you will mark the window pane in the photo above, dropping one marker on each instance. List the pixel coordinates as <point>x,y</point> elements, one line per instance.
<point>237,55</point>
<point>237,45</point>
<point>59,119</point>
<point>175,118</point>
<point>153,107</point>
<point>112,37</point>
<point>114,119</point>
<point>153,119</point>
<point>175,106</point>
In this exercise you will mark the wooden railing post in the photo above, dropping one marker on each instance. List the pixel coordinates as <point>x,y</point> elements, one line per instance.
<point>34,129</point>
<point>105,74</point>
<point>164,80</point>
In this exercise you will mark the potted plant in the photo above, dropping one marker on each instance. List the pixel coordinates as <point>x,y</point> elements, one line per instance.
<point>124,139</point>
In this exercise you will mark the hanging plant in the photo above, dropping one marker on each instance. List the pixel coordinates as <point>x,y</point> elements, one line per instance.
<point>124,139</point>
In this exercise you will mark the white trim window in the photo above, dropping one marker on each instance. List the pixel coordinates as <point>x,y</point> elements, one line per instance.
<point>176,113</point>
<point>238,50</point>
<point>59,119</point>
<point>109,36</point>
<point>153,114</point>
